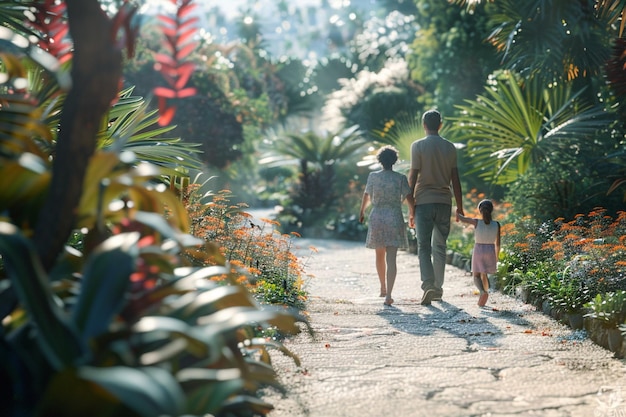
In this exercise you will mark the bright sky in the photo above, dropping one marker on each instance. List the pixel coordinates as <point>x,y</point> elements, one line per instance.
<point>231,7</point>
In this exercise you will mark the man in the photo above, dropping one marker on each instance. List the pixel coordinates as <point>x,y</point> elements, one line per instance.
<point>433,170</point>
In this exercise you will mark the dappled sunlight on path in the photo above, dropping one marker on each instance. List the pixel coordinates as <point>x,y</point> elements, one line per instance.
<point>452,358</point>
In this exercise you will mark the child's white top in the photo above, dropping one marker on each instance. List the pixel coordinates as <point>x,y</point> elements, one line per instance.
<point>486,234</point>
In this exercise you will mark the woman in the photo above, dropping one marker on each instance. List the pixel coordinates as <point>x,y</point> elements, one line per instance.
<point>386,233</point>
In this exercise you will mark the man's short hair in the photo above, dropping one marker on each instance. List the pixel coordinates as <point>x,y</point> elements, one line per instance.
<point>432,119</point>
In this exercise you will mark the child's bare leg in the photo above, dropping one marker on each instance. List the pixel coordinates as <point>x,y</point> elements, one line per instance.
<point>478,282</point>
<point>485,279</point>
<point>483,287</point>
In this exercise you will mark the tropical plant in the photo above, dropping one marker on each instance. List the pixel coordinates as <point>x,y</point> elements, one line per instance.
<point>317,157</point>
<point>131,331</point>
<point>560,40</point>
<point>125,323</point>
<point>401,132</point>
<point>516,124</point>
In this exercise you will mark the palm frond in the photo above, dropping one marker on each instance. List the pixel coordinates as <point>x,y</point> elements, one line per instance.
<point>612,11</point>
<point>513,125</point>
<point>131,126</point>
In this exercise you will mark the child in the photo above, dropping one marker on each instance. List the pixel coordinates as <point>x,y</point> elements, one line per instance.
<point>486,247</point>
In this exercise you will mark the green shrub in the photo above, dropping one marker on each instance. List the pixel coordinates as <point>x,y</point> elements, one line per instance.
<point>609,308</point>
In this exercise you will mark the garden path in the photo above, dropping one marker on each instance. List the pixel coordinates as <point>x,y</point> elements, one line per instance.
<point>449,359</point>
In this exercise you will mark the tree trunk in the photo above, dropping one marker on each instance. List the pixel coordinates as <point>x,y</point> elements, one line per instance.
<point>96,71</point>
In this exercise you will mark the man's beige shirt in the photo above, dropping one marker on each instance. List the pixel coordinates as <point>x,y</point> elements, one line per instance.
<point>435,158</point>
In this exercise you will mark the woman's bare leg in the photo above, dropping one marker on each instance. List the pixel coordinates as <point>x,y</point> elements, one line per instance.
<point>381,269</point>
<point>392,270</point>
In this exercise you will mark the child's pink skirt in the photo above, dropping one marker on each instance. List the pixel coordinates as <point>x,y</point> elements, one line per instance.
<point>484,258</point>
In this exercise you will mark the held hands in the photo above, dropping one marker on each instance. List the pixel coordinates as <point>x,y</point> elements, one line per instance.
<point>459,213</point>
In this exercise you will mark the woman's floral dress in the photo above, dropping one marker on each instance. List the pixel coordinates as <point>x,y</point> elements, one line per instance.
<point>387,190</point>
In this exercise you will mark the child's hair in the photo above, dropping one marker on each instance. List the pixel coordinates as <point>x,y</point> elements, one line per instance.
<point>485,207</point>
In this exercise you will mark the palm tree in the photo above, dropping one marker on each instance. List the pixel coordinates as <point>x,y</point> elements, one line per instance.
<point>317,157</point>
<point>554,39</point>
<point>516,124</point>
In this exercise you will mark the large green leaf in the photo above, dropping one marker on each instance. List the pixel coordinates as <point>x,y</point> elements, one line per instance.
<point>58,339</point>
<point>208,302</point>
<point>149,391</point>
<point>232,318</point>
<point>106,279</point>
<point>160,330</point>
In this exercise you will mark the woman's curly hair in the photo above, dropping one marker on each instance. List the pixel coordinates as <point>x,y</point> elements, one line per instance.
<point>387,156</point>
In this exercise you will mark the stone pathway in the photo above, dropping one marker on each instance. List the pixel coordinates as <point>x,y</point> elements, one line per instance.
<point>449,359</point>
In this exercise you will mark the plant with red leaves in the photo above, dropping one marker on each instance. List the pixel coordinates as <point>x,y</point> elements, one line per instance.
<point>50,21</point>
<point>124,19</point>
<point>178,31</point>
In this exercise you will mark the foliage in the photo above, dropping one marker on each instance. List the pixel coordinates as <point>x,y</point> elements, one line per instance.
<point>594,247</point>
<point>573,184</point>
<point>372,98</point>
<point>317,157</point>
<point>272,271</point>
<point>449,56</point>
<point>589,250</point>
<point>179,31</point>
<point>127,314</point>
<point>516,124</point>
<point>406,7</point>
<point>329,72</point>
<point>125,326</point>
<point>537,281</point>
<point>553,40</point>
<point>400,132</point>
<point>609,308</point>
<point>240,92</point>
<point>569,293</point>
<point>523,242</point>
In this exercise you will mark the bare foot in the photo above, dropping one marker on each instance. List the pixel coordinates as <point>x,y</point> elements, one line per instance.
<point>388,301</point>
<point>482,300</point>
<point>383,292</point>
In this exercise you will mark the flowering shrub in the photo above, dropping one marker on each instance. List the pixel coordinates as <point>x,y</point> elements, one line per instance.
<point>591,248</point>
<point>257,253</point>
